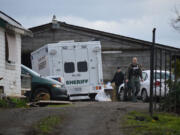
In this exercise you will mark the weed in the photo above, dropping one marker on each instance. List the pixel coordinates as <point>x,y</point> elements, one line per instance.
<point>46,125</point>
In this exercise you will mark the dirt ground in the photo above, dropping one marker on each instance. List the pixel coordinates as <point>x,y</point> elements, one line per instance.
<point>81,118</point>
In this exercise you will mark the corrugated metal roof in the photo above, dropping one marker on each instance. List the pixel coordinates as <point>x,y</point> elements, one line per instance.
<point>107,34</point>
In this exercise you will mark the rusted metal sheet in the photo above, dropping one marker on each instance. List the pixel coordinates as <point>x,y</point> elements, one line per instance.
<point>54,102</point>
<point>25,83</point>
<point>48,102</point>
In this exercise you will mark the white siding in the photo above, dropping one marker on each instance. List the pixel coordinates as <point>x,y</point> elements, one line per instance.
<point>11,78</point>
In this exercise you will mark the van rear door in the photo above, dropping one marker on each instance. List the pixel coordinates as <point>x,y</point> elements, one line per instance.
<point>82,65</point>
<point>69,65</point>
<point>76,75</point>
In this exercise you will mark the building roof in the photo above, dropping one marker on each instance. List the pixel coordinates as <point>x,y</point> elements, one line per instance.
<point>102,33</point>
<point>14,25</point>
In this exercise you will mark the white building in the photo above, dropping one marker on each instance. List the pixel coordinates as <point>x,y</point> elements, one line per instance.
<point>10,55</point>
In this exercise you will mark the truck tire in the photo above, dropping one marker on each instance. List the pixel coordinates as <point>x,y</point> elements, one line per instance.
<point>92,97</point>
<point>41,94</point>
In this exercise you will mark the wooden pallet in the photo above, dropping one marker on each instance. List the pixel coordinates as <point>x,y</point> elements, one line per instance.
<point>48,102</point>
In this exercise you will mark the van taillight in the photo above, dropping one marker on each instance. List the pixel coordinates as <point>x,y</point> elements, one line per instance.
<point>98,87</point>
<point>157,83</point>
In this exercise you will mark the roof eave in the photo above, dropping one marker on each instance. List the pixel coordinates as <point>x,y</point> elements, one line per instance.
<point>19,30</point>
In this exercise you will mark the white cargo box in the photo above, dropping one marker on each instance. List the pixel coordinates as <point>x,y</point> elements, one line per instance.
<point>79,63</point>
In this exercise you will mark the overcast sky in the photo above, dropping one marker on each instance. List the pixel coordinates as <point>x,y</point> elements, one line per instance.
<point>133,18</point>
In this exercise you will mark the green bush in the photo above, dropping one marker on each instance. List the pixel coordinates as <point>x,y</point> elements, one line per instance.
<point>13,103</point>
<point>3,103</point>
<point>172,101</point>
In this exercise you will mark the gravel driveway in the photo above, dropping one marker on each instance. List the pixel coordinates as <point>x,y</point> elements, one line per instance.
<point>82,118</point>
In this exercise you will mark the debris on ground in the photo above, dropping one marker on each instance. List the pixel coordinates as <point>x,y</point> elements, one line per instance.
<point>139,118</point>
<point>106,94</point>
<point>108,86</point>
<point>48,102</point>
<point>141,123</point>
<point>102,96</point>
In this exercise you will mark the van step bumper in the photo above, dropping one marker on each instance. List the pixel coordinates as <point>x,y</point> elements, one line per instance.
<point>83,97</point>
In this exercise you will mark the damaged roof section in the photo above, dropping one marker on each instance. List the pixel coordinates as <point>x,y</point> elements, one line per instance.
<point>9,23</point>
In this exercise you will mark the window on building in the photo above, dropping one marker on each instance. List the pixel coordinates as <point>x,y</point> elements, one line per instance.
<point>6,48</point>
<point>10,47</point>
<point>69,67</point>
<point>82,66</point>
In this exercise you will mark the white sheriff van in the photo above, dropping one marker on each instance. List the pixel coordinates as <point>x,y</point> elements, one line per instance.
<point>79,63</point>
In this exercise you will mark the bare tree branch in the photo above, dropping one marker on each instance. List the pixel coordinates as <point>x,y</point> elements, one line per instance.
<point>175,22</point>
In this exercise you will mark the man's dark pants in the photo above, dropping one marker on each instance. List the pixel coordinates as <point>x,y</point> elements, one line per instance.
<point>135,85</point>
<point>117,89</point>
<point>127,91</point>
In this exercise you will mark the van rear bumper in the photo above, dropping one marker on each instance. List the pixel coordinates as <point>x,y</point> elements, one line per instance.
<point>86,96</point>
<point>79,97</point>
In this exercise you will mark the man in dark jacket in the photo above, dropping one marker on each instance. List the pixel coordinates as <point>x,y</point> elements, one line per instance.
<point>133,76</point>
<point>118,79</point>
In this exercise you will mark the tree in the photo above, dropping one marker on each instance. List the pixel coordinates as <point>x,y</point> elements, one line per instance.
<point>175,22</point>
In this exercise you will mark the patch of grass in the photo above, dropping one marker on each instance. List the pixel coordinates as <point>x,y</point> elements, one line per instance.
<point>13,103</point>
<point>166,124</point>
<point>19,102</point>
<point>46,125</point>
